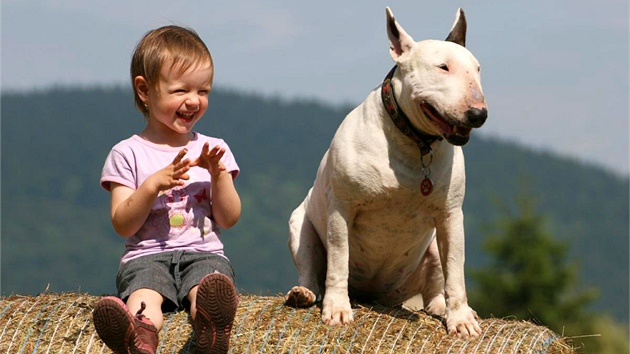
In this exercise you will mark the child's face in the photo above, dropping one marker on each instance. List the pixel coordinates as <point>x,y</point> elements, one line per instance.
<point>181,98</point>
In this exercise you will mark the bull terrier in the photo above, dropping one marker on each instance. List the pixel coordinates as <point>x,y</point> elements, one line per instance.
<point>383,221</point>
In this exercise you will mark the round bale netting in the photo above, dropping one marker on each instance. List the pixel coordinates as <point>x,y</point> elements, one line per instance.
<point>62,323</point>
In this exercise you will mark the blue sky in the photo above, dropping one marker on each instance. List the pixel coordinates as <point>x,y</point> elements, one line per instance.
<point>555,72</point>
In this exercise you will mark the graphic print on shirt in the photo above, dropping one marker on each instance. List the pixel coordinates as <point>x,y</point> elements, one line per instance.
<point>176,218</point>
<point>180,209</point>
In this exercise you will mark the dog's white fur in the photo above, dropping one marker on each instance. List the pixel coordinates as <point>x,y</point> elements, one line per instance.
<point>365,229</point>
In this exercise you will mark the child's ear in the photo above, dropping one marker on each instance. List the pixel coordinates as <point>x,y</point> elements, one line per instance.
<point>142,87</point>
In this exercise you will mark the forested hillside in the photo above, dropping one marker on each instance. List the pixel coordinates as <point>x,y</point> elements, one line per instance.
<point>55,223</point>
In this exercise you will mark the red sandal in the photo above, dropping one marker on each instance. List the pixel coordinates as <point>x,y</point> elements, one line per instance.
<point>122,332</point>
<point>217,301</point>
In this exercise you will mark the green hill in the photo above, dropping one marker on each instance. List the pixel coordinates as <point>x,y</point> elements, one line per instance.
<point>55,224</point>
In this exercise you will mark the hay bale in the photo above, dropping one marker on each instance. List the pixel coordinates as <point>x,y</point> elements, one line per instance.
<point>62,323</point>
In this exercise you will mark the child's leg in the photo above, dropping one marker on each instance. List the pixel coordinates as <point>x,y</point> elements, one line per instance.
<point>133,327</point>
<point>153,302</point>
<point>208,285</point>
<point>192,297</point>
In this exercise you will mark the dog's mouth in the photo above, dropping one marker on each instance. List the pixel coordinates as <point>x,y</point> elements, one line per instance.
<point>454,134</point>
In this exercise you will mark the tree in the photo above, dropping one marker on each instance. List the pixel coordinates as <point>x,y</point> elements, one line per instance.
<point>528,276</point>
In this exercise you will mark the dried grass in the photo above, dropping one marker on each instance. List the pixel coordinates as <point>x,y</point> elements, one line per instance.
<point>62,323</point>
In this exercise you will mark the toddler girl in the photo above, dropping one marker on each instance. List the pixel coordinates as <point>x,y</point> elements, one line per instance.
<point>171,192</point>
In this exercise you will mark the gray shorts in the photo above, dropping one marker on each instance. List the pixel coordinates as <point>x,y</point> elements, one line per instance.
<point>172,274</point>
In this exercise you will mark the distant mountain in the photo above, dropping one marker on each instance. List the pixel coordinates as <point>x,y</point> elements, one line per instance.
<point>55,223</point>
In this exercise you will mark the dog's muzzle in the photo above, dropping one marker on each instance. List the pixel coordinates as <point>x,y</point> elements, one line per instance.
<point>458,133</point>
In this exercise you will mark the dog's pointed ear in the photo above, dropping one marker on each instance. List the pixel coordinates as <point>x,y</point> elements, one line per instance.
<point>399,41</point>
<point>458,31</point>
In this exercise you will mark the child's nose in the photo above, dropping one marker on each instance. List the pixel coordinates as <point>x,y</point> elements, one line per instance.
<point>193,100</point>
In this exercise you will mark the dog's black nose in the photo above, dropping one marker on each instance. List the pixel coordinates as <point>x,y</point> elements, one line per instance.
<point>476,117</point>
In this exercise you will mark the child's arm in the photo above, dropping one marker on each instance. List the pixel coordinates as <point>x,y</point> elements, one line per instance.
<point>130,208</point>
<point>226,204</point>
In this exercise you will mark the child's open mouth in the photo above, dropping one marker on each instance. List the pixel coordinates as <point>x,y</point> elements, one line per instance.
<point>188,117</point>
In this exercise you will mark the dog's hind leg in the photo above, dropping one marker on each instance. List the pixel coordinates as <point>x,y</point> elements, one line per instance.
<point>309,257</point>
<point>432,281</point>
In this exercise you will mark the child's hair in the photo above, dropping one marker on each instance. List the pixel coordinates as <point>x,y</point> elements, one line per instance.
<point>180,46</point>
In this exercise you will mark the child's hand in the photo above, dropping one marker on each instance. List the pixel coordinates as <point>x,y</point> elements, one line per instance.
<point>174,174</point>
<point>210,159</point>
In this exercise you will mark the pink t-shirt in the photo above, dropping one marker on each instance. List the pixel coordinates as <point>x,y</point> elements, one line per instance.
<point>181,218</point>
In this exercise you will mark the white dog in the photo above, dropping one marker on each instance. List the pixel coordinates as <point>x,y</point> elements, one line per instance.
<point>383,221</point>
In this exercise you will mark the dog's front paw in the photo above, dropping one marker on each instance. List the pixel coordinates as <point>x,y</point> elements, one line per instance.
<point>300,296</point>
<point>336,309</point>
<point>463,322</point>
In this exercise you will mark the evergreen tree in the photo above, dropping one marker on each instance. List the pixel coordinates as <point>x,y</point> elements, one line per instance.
<point>528,277</point>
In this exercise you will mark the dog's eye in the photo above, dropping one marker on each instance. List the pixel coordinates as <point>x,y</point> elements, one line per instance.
<point>479,69</point>
<point>443,67</point>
